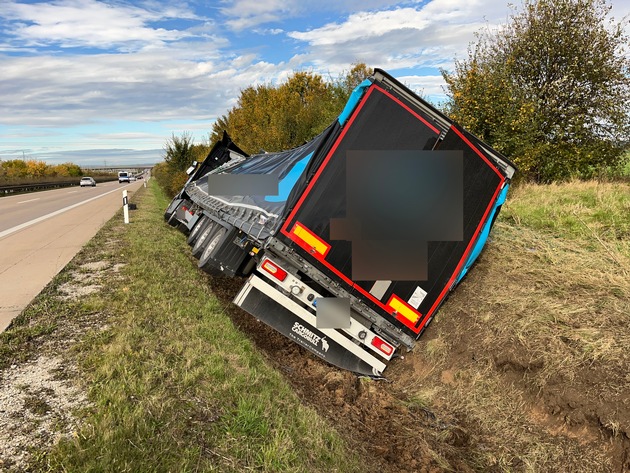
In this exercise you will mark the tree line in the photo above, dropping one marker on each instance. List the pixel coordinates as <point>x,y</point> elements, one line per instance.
<point>550,89</point>
<point>20,169</point>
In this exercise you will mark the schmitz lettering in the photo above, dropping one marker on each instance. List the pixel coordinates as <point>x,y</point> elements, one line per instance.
<point>306,334</point>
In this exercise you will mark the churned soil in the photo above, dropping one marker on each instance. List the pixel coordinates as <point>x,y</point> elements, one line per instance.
<point>420,418</point>
<point>475,394</point>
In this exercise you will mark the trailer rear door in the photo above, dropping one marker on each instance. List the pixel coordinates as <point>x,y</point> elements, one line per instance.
<point>388,131</point>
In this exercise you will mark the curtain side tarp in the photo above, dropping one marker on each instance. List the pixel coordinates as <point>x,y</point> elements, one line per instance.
<point>260,215</point>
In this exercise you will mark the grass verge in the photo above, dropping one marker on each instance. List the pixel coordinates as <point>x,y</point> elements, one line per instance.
<point>172,384</point>
<point>531,351</point>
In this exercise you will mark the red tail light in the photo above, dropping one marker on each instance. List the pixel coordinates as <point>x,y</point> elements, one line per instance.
<point>275,270</point>
<point>383,346</point>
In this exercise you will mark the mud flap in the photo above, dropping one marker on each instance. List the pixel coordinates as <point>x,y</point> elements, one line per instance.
<point>172,208</point>
<point>269,305</point>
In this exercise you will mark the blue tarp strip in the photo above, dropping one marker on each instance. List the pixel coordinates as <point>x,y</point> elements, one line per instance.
<point>354,99</point>
<point>287,182</point>
<point>484,235</point>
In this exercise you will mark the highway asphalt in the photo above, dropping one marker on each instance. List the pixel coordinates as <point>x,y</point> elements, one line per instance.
<point>41,232</point>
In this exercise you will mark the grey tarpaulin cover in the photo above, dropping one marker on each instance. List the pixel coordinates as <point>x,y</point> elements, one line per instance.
<point>260,215</point>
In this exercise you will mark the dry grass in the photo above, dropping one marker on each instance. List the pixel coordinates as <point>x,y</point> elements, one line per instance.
<point>532,348</point>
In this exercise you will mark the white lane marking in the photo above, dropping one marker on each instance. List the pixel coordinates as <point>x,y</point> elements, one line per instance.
<point>30,200</point>
<point>71,192</point>
<point>52,214</point>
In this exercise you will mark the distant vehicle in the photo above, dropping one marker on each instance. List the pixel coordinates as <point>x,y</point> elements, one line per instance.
<point>87,181</point>
<point>132,178</point>
<point>124,176</point>
<point>140,176</point>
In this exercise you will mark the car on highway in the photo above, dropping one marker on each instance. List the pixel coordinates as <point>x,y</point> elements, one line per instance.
<point>123,176</point>
<point>87,181</point>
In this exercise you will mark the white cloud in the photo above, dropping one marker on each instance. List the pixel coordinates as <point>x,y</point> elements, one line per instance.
<point>362,25</point>
<point>245,14</point>
<point>427,36</point>
<point>428,87</point>
<point>100,157</point>
<point>248,14</point>
<point>173,70</point>
<point>122,136</point>
<point>89,23</point>
<point>271,31</point>
<point>152,85</point>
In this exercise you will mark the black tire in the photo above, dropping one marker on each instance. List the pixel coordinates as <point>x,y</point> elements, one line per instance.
<point>182,227</point>
<point>202,238</point>
<point>210,249</point>
<point>194,233</point>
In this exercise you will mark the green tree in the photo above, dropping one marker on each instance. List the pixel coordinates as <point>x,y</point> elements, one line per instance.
<point>275,118</point>
<point>15,168</point>
<point>73,170</point>
<point>178,152</point>
<point>200,151</point>
<point>551,89</point>
<point>350,79</point>
<point>162,175</point>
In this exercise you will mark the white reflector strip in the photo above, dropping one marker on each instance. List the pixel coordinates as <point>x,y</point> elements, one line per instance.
<point>417,297</point>
<point>380,288</point>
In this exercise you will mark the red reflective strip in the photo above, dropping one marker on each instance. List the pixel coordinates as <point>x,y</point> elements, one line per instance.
<point>479,153</point>
<point>462,261</point>
<point>405,314</point>
<point>325,161</point>
<point>410,110</point>
<point>284,229</point>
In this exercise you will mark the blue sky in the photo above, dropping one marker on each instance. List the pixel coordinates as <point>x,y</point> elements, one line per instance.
<point>108,82</point>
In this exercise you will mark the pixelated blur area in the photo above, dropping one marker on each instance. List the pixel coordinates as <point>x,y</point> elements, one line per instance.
<point>378,260</point>
<point>333,312</point>
<point>397,201</point>
<point>242,184</point>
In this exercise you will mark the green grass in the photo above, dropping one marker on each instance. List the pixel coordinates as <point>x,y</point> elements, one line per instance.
<point>173,385</point>
<point>578,210</point>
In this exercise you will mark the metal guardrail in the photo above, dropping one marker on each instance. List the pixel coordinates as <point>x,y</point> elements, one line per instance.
<point>25,188</point>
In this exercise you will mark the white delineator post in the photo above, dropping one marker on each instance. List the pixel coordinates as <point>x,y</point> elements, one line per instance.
<point>125,207</point>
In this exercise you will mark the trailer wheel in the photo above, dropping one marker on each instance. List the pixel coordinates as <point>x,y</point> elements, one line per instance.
<point>205,260</point>
<point>199,245</point>
<point>194,233</point>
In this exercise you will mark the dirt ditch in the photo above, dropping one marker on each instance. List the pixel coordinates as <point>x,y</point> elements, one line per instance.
<point>456,403</point>
<point>576,424</point>
<point>393,433</point>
